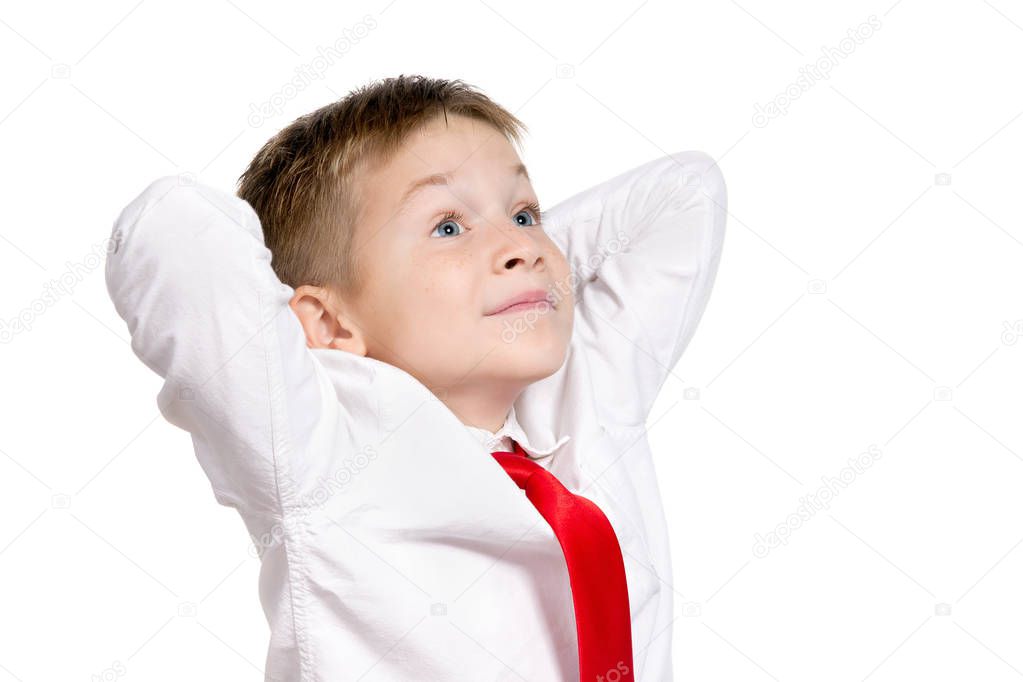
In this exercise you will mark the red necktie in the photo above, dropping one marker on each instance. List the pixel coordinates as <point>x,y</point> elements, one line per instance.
<point>595,568</point>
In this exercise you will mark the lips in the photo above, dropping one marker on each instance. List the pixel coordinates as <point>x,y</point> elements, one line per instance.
<point>531,297</point>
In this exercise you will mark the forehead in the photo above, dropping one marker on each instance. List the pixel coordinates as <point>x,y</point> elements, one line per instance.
<point>444,152</point>
<point>416,187</point>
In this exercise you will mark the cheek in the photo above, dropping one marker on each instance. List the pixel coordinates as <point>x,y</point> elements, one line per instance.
<point>396,295</point>
<point>562,274</point>
<point>445,286</point>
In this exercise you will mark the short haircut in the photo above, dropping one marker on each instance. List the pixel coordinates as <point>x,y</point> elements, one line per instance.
<point>303,183</point>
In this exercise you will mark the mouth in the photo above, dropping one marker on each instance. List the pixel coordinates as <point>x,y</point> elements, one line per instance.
<point>527,300</point>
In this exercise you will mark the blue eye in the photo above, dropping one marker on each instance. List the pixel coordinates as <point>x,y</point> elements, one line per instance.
<point>526,213</point>
<point>452,217</point>
<point>537,214</point>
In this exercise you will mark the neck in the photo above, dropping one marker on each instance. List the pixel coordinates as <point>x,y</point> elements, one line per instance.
<point>484,409</point>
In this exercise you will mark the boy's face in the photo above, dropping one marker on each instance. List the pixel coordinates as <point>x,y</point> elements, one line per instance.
<point>431,282</point>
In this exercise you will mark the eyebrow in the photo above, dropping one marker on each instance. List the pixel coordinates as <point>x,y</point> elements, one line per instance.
<point>444,179</point>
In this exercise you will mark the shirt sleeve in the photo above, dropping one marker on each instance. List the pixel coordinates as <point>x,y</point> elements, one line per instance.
<point>190,275</point>
<point>643,248</point>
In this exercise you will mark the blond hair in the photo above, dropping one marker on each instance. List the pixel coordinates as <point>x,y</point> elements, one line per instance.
<point>303,182</point>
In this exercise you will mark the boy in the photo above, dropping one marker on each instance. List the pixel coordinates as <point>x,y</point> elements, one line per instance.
<point>344,396</point>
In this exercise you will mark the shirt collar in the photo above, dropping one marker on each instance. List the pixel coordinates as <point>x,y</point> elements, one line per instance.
<point>512,430</point>
<point>375,390</point>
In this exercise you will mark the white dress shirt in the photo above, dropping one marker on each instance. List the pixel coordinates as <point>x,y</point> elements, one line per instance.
<point>393,546</point>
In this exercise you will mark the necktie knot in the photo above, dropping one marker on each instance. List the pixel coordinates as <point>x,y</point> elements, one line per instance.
<point>517,464</point>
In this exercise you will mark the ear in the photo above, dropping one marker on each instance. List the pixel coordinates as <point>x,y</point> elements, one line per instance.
<point>326,323</point>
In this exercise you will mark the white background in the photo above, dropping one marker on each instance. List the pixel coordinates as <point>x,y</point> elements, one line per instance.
<point>868,298</point>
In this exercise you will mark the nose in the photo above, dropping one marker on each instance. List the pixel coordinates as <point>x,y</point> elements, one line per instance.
<point>515,246</point>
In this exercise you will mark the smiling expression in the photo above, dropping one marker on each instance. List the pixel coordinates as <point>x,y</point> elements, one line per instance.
<point>449,232</point>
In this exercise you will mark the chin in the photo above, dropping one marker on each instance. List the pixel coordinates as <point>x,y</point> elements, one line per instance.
<point>532,359</point>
